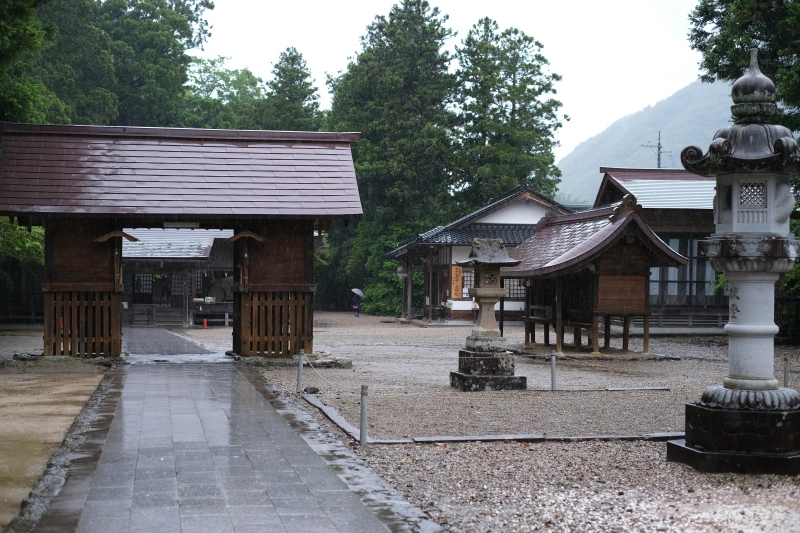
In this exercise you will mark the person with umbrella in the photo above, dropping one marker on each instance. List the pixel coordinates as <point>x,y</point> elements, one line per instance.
<point>357,295</point>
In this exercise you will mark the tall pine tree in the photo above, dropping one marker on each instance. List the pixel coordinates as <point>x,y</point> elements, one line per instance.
<point>292,102</point>
<point>396,93</point>
<point>508,118</point>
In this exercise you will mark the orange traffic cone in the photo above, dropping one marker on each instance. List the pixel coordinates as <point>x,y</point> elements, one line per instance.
<point>205,324</point>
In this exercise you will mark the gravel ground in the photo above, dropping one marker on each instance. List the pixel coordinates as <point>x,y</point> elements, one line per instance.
<point>551,486</point>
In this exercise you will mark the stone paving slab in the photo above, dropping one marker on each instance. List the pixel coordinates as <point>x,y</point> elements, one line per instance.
<point>193,448</point>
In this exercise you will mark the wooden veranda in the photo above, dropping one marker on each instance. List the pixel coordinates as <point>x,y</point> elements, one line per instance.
<point>83,184</point>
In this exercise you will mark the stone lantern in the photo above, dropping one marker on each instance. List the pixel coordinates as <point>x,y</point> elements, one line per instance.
<point>485,363</point>
<point>749,423</point>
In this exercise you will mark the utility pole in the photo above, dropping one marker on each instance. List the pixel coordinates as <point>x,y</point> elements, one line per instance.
<point>658,150</point>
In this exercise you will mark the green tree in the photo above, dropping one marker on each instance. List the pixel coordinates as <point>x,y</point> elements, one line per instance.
<point>397,92</point>
<point>508,120</point>
<point>724,30</point>
<point>149,42</point>
<point>292,102</point>
<point>79,66</point>
<point>23,96</point>
<point>19,249</point>
<point>219,97</point>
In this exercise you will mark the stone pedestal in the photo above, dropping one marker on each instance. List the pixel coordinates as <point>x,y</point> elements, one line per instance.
<point>491,368</point>
<point>744,431</point>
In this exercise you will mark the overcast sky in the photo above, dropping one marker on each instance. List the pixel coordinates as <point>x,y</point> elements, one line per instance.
<point>615,56</point>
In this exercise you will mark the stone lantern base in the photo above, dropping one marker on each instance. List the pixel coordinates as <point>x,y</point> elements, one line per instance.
<point>486,364</point>
<point>743,431</point>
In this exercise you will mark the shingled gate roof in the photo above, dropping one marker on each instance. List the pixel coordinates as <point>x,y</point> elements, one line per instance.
<point>462,232</point>
<point>656,188</point>
<point>186,173</point>
<point>564,244</point>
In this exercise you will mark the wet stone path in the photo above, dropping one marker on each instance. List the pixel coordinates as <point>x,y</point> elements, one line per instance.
<point>196,448</point>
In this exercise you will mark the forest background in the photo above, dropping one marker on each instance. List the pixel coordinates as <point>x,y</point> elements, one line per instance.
<point>442,133</point>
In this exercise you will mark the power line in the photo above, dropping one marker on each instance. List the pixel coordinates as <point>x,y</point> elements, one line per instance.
<point>658,150</point>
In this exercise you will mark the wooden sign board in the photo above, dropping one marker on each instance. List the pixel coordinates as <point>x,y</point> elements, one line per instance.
<point>622,295</point>
<point>456,281</point>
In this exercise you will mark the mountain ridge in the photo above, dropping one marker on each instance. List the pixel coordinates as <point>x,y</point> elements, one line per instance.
<point>690,116</point>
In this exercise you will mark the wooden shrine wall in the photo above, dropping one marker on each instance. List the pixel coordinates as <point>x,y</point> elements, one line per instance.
<point>82,289</point>
<point>623,278</point>
<point>274,289</point>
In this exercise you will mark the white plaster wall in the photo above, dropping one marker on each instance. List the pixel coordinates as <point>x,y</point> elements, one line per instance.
<point>461,253</point>
<point>521,212</point>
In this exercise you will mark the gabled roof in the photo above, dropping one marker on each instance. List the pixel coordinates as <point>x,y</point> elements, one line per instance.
<point>188,174</point>
<point>172,244</point>
<point>464,230</point>
<point>525,190</point>
<point>564,244</point>
<point>656,188</point>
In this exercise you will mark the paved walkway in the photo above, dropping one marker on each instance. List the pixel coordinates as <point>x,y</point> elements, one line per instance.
<point>195,448</point>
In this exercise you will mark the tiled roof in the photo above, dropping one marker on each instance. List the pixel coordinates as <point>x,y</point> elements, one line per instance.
<point>189,173</point>
<point>567,243</point>
<point>512,234</point>
<point>663,188</point>
<point>187,244</point>
<point>462,231</point>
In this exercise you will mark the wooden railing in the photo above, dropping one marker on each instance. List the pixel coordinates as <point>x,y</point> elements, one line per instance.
<point>274,323</point>
<point>82,323</point>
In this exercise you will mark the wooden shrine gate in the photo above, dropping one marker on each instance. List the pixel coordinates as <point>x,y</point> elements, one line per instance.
<point>85,184</point>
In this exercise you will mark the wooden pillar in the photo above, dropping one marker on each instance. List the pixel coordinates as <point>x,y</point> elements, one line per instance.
<point>626,331</point>
<point>559,321</point>
<point>607,333</point>
<point>502,305</point>
<point>430,288</point>
<point>410,287</point>
<point>546,333</point>
<point>527,318</point>
<point>596,335</point>
<point>646,338</point>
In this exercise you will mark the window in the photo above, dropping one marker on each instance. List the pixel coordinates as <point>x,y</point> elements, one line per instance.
<point>691,285</point>
<point>514,288</point>
<point>468,281</point>
<point>176,284</point>
<point>143,284</point>
<point>198,286</point>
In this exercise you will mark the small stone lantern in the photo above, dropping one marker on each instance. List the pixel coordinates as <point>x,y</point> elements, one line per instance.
<point>485,363</point>
<point>748,424</point>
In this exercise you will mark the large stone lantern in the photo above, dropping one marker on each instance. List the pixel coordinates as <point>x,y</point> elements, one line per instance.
<point>748,424</point>
<point>485,363</point>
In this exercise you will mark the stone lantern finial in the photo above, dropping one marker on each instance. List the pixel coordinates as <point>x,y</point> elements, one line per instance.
<point>753,94</point>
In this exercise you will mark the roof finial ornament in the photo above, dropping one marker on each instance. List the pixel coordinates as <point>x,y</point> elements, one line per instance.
<point>753,94</point>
